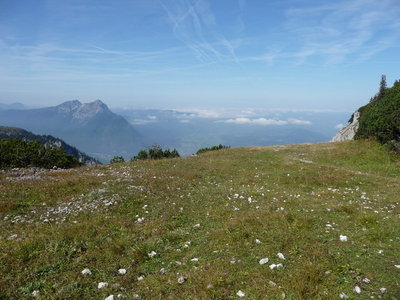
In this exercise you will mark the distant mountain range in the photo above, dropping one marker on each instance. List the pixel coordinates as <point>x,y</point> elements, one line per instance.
<point>47,141</point>
<point>91,127</point>
<point>15,105</point>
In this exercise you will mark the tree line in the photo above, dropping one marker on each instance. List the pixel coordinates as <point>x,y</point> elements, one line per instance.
<point>154,152</point>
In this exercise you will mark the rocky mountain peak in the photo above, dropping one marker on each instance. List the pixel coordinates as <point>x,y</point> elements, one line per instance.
<point>89,110</point>
<point>82,111</point>
<point>69,106</point>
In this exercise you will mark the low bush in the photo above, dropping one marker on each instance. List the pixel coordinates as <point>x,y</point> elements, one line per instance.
<point>213,148</point>
<point>155,152</point>
<point>117,159</point>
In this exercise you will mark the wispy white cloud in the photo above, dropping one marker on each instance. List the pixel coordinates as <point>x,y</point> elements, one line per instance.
<point>259,121</point>
<point>141,121</point>
<point>217,113</point>
<point>48,61</point>
<point>250,113</point>
<point>239,116</point>
<point>265,121</point>
<point>53,52</point>
<point>339,30</point>
<point>147,120</point>
<point>298,122</point>
<point>333,32</point>
<point>194,24</point>
<point>200,113</point>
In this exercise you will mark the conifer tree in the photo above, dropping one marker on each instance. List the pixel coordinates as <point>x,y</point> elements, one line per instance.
<point>382,89</point>
<point>383,86</point>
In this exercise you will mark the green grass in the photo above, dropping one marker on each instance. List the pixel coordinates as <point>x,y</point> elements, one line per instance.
<point>354,186</point>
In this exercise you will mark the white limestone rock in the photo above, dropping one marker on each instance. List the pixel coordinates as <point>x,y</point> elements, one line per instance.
<point>348,132</point>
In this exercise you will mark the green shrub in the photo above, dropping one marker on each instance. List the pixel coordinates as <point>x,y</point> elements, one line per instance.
<point>16,153</point>
<point>117,160</point>
<point>142,155</point>
<point>155,152</point>
<point>213,148</point>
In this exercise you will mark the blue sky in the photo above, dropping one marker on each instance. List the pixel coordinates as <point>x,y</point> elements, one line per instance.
<point>295,54</point>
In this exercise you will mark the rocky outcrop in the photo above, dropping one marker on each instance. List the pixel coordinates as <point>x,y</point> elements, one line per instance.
<point>349,131</point>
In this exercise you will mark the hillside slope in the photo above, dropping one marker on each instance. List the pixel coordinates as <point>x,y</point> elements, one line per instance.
<point>201,227</point>
<point>47,141</point>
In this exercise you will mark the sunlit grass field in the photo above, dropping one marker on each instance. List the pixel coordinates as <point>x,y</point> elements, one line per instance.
<point>197,227</point>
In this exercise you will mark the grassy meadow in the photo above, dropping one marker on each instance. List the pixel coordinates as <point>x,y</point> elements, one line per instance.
<point>202,227</point>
